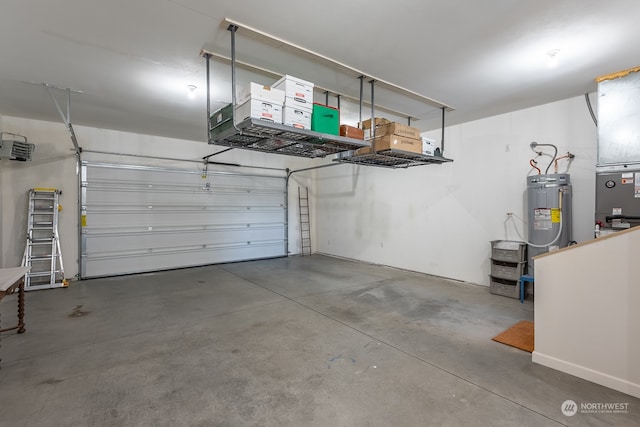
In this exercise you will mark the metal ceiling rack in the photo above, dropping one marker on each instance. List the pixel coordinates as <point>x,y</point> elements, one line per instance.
<point>391,159</point>
<point>388,158</point>
<point>260,135</point>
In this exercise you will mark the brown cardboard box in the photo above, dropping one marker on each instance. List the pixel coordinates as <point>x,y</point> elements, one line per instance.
<point>398,129</point>
<point>387,142</point>
<point>351,132</point>
<point>366,126</point>
<point>385,127</point>
<point>379,121</point>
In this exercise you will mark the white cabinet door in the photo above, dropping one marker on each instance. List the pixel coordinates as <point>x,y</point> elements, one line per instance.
<point>139,218</point>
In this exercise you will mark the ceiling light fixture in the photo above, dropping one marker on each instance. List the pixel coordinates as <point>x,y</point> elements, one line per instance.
<point>552,58</point>
<point>191,91</point>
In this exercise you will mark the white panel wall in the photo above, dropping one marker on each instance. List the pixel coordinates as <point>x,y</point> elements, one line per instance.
<point>54,165</point>
<point>439,219</point>
<point>587,321</point>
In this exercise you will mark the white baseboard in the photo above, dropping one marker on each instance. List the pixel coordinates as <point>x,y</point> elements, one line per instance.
<point>588,374</point>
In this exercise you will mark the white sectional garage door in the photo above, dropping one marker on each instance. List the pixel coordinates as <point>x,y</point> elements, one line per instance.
<point>138,218</point>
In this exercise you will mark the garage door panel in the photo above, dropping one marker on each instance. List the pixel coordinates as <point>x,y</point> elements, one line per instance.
<point>179,197</point>
<point>143,240</point>
<point>157,219</point>
<point>109,264</point>
<point>138,214</point>
<point>125,176</point>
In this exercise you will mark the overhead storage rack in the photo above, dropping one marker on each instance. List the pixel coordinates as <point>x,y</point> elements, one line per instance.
<point>390,159</point>
<point>260,135</point>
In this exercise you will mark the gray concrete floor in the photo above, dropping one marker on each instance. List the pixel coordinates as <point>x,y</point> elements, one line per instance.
<point>302,341</point>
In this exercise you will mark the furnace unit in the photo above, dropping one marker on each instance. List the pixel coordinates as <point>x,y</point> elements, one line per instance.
<point>618,169</point>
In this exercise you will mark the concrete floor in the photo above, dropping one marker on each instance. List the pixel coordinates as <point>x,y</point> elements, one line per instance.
<point>313,341</point>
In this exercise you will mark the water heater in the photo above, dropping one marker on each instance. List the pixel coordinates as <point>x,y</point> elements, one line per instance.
<point>549,214</point>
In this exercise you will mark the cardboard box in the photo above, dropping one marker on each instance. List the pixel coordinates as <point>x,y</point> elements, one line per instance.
<point>325,119</point>
<point>297,117</point>
<point>385,127</point>
<point>258,91</point>
<point>396,142</point>
<point>398,129</point>
<point>366,126</point>
<point>298,104</point>
<point>259,109</point>
<point>300,91</point>
<point>379,121</point>
<point>428,146</point>
<point>351,132</point>
<point>362,151</point>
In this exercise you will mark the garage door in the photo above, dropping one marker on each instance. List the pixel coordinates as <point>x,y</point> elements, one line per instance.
<point>139,218</point>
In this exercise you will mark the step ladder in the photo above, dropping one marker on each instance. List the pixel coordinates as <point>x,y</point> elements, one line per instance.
<point>305,223</point>
<point>42,252</point>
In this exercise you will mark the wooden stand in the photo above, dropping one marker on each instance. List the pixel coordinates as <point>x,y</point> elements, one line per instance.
<point>12,279</point>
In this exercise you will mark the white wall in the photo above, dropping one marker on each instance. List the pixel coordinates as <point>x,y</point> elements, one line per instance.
<point>439,219</point>
<point>54,165</point>
<point>587,321</point>
<point>1,204</point>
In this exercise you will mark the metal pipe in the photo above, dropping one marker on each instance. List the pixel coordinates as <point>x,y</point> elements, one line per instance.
<point>215,154</point>
<point>373,118</point>
<point>286,213</point>
<point>69,105</point>
<point>79,211</point>
<point>361,96</point>
<point>74,140</point>
<point>408,120</point>
<point>338,98</point>
<point>312,168</point>
<point>233,29</point>
<point>555,152</point>
<point>593,116</point>
<point>610,218</point>
<point>245,166</point>
<point>224,164</point>
<point>208,59</point>
<point>65,119</point>
<point>442,138</point>
<point>326,97</point>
